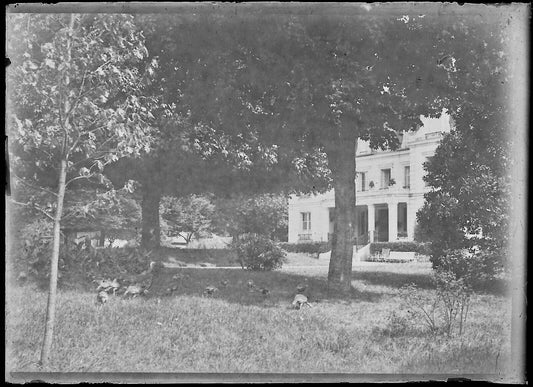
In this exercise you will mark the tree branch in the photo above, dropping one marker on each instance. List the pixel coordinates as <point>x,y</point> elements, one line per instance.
<point>33,186</point>
<point>78,178</point>
<point>35,207</point>
<point>96,157</point>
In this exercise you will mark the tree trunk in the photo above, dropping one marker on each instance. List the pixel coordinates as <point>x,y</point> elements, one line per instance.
<point>102,238</point>
<point>52,294</point>
<point>341,161</point>
<point>151,229</point>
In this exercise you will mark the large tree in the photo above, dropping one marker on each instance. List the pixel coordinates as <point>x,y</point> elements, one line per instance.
<point>75,91</point>
<point>311,81</point>
<point>469,202</point>
<point>196,151</point>
<point>325,80</point>
<point>318,83</point>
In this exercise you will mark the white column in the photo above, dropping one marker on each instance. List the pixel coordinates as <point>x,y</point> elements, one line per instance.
<point>371,221</point>
<point>411,221</point>
<point>393,221</point>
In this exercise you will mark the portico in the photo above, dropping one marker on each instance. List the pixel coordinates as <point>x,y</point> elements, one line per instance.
<point>382,222</point>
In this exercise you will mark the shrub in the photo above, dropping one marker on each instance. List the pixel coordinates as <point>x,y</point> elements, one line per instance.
<point>307,248</point>
<point>397,325</point>
<point>421,308</point>
<point>106,263</point>
<point>256,252</point>
<point>454,294</point>
<point>417,247</point>
<point>447,307</point>
<point>476,268</point>
<point>35,249</point>
<point>76,262</point>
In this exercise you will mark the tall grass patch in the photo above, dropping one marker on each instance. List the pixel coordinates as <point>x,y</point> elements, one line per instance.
<point>238,330</point>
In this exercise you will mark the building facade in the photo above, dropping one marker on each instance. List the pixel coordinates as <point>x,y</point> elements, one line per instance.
<point>389,191</point>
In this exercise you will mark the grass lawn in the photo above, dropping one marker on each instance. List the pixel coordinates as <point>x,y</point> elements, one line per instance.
<point>216,257</point>
<point>241,331</point>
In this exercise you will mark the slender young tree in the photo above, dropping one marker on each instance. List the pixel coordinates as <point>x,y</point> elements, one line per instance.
<point>75,87</point>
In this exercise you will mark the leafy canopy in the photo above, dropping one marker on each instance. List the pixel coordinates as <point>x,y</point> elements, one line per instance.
<point>76,93</point>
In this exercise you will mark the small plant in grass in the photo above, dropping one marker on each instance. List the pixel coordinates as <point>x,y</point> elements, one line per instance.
<point>455,295</point>
<point>256,252</point>
<point>335,342</point>
<point>447,308</point>
<point>421,308</point>
<point>397,324</point>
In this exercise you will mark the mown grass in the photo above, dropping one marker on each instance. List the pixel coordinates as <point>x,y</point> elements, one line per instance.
<point>242,331</point>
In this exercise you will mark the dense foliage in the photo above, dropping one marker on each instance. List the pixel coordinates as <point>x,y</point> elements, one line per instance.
<point>258,253</point>
<point>77,103</point>
<point>77,263</point>
<point>265,214</point>
<point>187,217</point>
<point>469,204</point>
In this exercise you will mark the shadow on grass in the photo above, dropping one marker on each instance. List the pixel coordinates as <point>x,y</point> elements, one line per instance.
<point>497,287</point>
<point>281,286</point>
<point>217,257</point>
<point>395,280</point>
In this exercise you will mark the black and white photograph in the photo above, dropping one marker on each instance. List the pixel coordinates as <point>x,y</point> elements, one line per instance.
<point>266,192</point>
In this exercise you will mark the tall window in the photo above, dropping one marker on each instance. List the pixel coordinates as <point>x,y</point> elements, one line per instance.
<point>385,178</point>
<point>402,220</point>
<point>306,221</point>
<point>361,181</point>
<point>407,177</point>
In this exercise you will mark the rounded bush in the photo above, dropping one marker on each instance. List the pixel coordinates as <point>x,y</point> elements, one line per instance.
<point>258,253</point>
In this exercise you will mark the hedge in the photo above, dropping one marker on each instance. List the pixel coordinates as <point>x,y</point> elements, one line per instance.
<point>307,247</point>
<point>417,247</point>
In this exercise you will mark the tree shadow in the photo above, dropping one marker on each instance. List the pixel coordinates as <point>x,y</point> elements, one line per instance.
<point>496,287</point>
<point>394,280</point>
<point>281,287</point>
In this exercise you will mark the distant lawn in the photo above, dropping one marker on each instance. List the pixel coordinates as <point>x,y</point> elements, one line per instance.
<point>242,331</point>
<point>227,257</point>
<point>217,257</point>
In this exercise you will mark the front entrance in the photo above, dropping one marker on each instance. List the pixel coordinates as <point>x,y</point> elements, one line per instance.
<point>382,224</point>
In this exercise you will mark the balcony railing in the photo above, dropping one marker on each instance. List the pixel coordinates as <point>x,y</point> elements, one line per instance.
<point>304,237</point>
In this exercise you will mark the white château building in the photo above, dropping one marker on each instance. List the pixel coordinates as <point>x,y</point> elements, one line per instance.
<point>389,186</point>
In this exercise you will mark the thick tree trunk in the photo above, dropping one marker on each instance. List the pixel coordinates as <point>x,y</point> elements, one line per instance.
<point>151,229</point>
<point>341,161</point>
<point>52,294</point>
